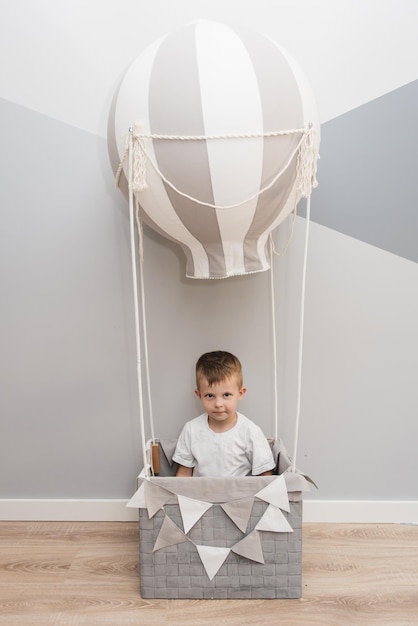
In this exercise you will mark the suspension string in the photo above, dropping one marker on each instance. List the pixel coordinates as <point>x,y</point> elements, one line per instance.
<point>307,155</point>
<point>136,311</point>
<point>274,337</point>
<point>144,321</point>
<point>301,329</point>
<point>274,252</point>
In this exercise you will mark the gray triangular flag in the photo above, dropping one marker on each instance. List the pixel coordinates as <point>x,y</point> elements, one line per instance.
<point>169,535</point>
<point>250,547</point>
<point>155,497</point>
<point>239,511</point>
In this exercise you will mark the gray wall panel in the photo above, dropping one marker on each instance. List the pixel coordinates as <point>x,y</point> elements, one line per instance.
<point>69,416</point>
<point>67,424</point>
<point>368,173</point>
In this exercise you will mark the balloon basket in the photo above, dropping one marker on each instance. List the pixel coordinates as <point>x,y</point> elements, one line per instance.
<point>177,571</point>
<point>220,538</point>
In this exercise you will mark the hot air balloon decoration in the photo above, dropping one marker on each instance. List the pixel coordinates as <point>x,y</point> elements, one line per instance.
<point>214,136</point>
<point>224,134</point>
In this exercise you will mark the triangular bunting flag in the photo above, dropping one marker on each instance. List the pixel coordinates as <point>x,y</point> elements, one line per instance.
<point>250,547</point>
<point>155,497</point>
<point>276,493</point>
<point>274,520</point>
<point>169,535</point>
<point>239,511</point>
<point>212,558</point>
<point>191,511</point>
<point>138,499</point>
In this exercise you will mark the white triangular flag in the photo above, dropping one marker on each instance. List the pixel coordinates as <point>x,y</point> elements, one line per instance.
<point>276,493</point>
<point>169,535</point>
<point>212,558</point>
<point>191,511</point>
<point>250,547</point>
<point>274,520</point>
<point>138,499</point>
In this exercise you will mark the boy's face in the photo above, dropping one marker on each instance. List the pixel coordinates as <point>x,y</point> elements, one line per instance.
<point>220,402</point>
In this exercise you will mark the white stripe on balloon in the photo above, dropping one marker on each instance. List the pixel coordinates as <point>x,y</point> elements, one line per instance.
<point>231,104</point>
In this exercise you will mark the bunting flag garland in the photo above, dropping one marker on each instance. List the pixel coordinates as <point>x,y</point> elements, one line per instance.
<point>212,558</point>
<point>153,497</point>
<point>191,511</point>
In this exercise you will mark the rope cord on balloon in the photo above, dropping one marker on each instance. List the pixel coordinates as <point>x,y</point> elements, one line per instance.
<point>273,133</point>
<point>306,151</point>
<point>139,135</point>
<point>274,342</point>
<point>136,310</point>
<point>301,332</point>
<point>301,325</point>
<point>144,319</point>
<point>282,253</point>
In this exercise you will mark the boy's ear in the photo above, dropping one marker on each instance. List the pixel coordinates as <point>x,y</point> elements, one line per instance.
<point>197,392</point>
<point>242,392</point>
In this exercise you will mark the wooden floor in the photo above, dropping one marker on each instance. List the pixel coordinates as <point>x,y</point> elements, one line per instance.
<point>84,574</point>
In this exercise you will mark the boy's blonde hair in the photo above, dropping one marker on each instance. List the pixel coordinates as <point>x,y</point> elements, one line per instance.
<point>217,366</point>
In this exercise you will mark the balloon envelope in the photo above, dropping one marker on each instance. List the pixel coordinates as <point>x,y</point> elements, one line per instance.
<point>223,184</point>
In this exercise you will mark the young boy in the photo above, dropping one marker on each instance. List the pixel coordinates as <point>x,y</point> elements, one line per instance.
<point>221,441</point>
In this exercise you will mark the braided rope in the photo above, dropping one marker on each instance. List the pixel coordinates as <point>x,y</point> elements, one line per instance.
<point>306,150</point>
<point>274,133</point>
<point>301,333</point>
<point>136,308</point>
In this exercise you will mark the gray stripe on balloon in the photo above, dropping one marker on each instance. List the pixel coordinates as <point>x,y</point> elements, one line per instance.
<point>171,93</point>
<point>277,84</point>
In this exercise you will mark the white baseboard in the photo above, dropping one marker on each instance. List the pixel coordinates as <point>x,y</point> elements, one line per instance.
<point>361,511</point>
<point>338,511</point>
<point>67,510</point>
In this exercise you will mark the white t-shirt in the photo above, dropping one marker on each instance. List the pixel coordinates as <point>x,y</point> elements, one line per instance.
<point>240,451</point>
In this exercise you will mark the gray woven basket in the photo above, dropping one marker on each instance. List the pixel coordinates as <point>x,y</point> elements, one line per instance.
<point>177,571</point>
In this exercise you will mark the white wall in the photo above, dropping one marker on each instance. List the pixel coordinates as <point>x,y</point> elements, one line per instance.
<point>352,51</point>
<point>69,416</point>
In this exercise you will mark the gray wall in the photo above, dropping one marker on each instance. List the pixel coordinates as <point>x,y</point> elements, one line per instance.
<point>69,416</point>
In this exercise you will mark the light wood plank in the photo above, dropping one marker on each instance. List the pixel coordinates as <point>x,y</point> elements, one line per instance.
<point>86,574</point>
